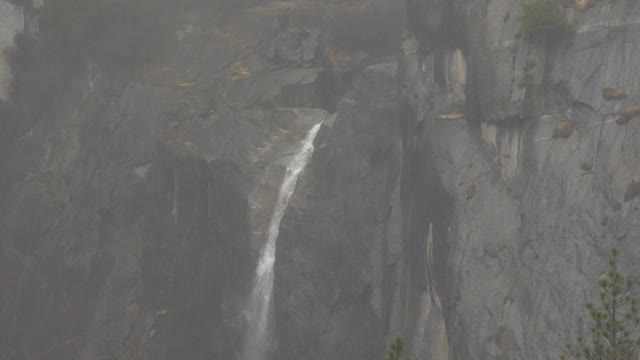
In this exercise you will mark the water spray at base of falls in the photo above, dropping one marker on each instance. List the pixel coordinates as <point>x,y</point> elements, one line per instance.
<point>258,308</point>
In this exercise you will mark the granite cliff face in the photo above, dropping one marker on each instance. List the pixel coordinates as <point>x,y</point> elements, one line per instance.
<point>12,22</point>
<point>539,176</point>
<point>465,187</point>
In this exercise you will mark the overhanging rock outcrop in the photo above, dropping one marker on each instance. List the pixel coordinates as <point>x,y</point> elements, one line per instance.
<point>524,250</point>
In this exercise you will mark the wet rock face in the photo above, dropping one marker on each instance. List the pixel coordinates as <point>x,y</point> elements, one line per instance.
<point>335,232</point>
<point>133,209</point>
<point>141,246</point>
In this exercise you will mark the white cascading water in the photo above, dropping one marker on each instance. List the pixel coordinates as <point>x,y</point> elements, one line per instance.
<point>258,308</point>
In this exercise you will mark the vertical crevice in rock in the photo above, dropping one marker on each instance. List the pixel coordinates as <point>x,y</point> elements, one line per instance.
<point>423,304</point>
<point>426,251</point>
<point>434,76</point>
<point>439,72</point>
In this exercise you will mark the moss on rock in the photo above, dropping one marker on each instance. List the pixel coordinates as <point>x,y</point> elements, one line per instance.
<point>545,18</point>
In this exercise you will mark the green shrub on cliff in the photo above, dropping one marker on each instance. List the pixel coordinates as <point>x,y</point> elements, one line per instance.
<point>395,350</point>
<point>544,18</point>
<point>614,334</point>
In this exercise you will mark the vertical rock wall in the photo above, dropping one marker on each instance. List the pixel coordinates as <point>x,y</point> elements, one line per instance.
<point>464,192</point>
<point>11,23</point>
<point>538,175</point>
<point>133,209</point>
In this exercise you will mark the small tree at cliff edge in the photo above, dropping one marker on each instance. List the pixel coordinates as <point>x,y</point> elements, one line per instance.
<point>614,335</point>
<point>395,350</point>
<point>544,19</point>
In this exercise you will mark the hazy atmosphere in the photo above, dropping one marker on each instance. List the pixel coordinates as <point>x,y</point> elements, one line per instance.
<point>319,179</point>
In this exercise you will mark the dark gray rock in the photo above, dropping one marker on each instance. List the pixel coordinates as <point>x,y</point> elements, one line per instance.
<point>438,206</point>
<point>132,217</point>
<point>333,276</point>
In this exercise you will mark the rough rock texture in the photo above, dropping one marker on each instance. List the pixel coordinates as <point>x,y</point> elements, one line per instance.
<point>11,22</point>
<point>332,274</point>
<point>135,234</point>
<point>466,186</point>
<point>133,209</point>
<point>522,253</point>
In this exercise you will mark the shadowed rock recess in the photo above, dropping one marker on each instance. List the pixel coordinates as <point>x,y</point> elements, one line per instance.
<point>465,187</point>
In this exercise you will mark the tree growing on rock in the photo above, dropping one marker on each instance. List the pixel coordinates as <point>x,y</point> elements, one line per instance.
<point>396,350</point>
<point>544,19</point>
<point>614,334</point>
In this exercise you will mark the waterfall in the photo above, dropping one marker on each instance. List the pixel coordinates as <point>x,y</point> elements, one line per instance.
<point>258,308</point>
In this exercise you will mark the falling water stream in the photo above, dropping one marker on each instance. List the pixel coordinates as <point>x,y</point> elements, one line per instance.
<point>258,308</point>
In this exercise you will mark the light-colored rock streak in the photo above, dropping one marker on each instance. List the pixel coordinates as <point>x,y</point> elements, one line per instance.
<point>258,308</point>
<point>608,24</point>
<point>11,23</point>
<point>505,44</point>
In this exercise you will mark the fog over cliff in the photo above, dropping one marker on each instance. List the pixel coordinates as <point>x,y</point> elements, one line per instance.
<point>310,179</point>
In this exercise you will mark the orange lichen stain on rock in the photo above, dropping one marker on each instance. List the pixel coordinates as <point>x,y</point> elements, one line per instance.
<point>613,94</point>
<point>181,143</point>
<point>583,4</point>
<point>182,84</point>
<point>470,191</point>
<point>628,115</point>
<point>563,130</point>
<point>230,38</point>
<point>161,68</point>
<point>336,57</point>
<point>225,35</point>
<point>451,116</point>
<point>239,71</point>
<point>280,6</point>
<point>161,75</point>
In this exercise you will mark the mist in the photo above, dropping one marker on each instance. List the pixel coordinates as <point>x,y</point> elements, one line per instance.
<point>319,179</point>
